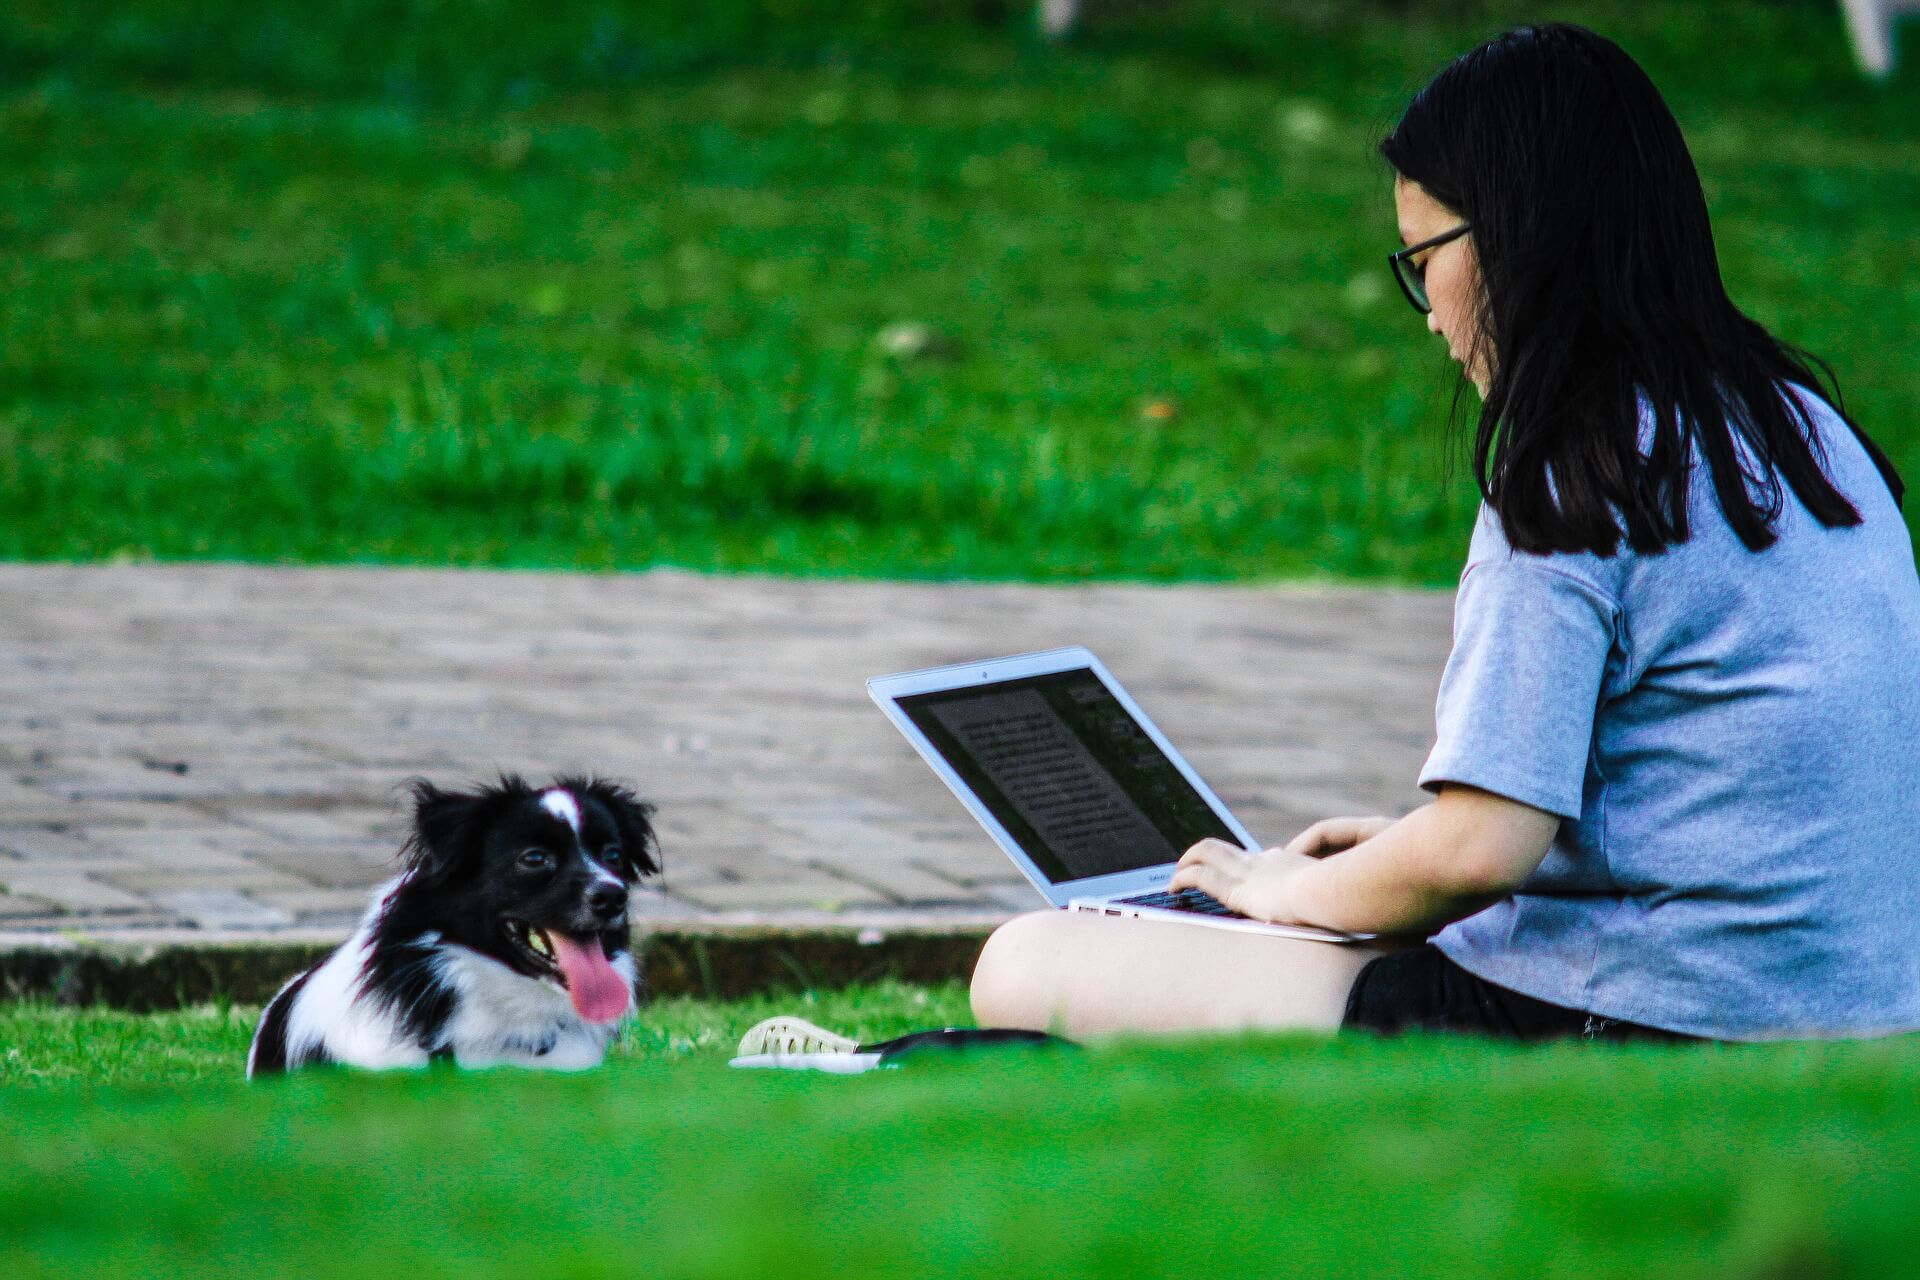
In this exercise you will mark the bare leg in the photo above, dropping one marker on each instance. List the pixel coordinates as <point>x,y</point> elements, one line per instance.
<point>1088,975</point>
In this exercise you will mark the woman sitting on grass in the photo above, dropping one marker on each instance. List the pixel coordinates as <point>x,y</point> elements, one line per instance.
<point>1678,756</point>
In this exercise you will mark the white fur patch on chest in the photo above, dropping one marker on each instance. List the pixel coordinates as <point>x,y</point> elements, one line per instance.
<point>331,1012</point>
<point>503,1017</point>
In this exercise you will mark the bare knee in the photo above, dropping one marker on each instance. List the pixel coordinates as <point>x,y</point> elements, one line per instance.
<point>1087,975</point>
<point>1014,979</point>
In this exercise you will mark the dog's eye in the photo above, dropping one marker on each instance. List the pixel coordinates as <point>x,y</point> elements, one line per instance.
<point>536,860</point>
<point>612,854</point>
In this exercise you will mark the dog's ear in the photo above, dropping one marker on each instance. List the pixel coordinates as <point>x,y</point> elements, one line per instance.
<point>445,828</point>
<point>639,846</point>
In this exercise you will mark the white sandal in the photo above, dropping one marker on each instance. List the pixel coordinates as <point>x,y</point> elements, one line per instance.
<point>788,1037</point>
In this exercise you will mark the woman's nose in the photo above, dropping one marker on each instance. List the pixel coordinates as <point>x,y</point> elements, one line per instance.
<point>1433,322</point>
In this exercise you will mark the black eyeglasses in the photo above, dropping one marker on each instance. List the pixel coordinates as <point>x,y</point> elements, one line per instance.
<point>1413,279</point>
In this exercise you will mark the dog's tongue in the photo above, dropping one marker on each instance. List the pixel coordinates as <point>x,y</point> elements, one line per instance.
<point>599,993</point>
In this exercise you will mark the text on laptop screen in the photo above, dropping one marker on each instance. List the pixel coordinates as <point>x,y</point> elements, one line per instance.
<point>1070,775</point>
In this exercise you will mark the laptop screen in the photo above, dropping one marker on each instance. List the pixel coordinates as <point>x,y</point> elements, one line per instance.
<point>1065,769</point>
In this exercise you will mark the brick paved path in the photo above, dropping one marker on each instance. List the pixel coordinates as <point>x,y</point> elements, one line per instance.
<point>212,751</point>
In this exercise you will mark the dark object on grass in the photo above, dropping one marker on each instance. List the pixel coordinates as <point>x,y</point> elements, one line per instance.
<point>951,1040</point>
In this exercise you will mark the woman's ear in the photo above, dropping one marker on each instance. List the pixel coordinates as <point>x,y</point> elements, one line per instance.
<point>639,846</point>
<point>444,828</point>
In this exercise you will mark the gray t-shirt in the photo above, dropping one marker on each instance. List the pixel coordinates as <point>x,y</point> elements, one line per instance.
<point>1733,741</point>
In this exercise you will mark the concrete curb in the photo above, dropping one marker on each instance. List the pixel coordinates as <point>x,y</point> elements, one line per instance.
<point>726,964</point>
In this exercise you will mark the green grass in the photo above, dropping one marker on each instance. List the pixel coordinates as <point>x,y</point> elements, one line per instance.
<point>1248,1156</point>
<point>46,1045</point>
<point>598,284</point>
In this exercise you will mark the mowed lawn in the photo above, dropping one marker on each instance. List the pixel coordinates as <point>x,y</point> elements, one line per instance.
<point>883,288</point>
<point>1259,1156</point>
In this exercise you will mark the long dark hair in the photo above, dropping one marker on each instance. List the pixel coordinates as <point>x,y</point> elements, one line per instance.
<point>1600,284</point>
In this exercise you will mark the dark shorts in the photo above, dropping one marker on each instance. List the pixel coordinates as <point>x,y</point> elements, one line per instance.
<point>1422,990</point>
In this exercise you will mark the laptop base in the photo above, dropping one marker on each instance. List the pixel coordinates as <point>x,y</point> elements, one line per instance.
<point>1304,932</point>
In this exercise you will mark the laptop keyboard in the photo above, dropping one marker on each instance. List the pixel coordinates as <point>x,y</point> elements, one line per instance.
<point>1182,900</point>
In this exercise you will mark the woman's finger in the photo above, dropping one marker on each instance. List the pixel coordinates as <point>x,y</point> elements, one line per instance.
<point>1313,840</point>
<point>1213,852</point>
<point>1334,835</point>
<point>1208,879</point>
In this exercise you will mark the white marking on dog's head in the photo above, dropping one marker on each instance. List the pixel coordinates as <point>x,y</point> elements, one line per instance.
<point>560,803</point>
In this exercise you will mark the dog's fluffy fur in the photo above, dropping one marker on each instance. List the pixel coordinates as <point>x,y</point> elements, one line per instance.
<point>503,940</point>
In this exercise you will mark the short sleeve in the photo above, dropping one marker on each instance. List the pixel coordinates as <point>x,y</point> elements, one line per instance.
<point>1517,701</point>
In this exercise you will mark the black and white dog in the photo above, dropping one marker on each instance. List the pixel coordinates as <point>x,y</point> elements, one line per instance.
<point>502,941</point>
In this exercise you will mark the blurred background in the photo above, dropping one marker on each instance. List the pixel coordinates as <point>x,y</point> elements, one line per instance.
<point>883,287</point>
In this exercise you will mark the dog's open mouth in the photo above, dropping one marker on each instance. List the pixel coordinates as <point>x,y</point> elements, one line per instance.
<point>577,965</point>
<point>535,948</point>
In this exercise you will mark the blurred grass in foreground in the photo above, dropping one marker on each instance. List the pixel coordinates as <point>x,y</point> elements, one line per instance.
<point>882,288</point>
<point>1245,1156</point>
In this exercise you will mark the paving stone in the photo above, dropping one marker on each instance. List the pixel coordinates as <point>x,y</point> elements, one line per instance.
<point>692,829</point>
<point>652,906</point>
<point>69,891</point>
<point>904,883</point>
<point>349,904</point>
<point>853,842</point>
<point>295,827</point>
<point>780,903</point>
<point>799,889</point>
<point>44,844</point>
<point>151,882</point>
<point>222,909</point>
<point>170,732</point>
<point>330,866</point>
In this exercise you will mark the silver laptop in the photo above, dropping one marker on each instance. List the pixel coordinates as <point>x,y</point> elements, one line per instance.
<point>1069,776</point>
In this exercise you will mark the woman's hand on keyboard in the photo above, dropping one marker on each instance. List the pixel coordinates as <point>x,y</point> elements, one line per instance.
<point>1336,835</point>
<point>1254,884</point>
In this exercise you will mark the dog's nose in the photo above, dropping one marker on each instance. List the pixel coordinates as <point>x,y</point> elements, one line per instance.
<point>607,900</point>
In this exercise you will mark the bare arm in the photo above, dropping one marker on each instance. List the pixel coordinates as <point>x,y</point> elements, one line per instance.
<point>1465,851</point>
